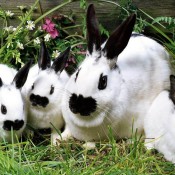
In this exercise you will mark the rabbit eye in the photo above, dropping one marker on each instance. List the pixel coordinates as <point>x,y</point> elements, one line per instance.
<point>32,87</point>
<point>3,109</point>
<point>51,89</point>
<point>102,82</point>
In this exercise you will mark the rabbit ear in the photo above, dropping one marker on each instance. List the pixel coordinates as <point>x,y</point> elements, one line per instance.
<point>119,38</point>
<point>21,76</point>
<point>60,62</point>
<point>1,83</point>
<point>172,87</point>
<point>93,33</point>
<point>44,60</point>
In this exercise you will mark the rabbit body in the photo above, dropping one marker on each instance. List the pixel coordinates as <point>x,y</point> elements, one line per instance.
<point>159,126</point>
<point>136,78</point>
<point>43,92</point>
<point>13,108</point>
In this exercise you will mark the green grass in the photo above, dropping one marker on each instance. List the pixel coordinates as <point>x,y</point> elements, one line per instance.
<point>70,158</point>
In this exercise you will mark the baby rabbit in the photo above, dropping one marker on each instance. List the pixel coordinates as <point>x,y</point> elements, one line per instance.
<point>13,111</point>
<point>159,123</point>
<point>115,84</point>
<point>44,92</point>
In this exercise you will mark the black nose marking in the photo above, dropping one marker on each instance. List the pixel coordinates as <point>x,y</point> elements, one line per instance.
<point>37,100</point>
<point>15,125</point>
<point>84,106</point>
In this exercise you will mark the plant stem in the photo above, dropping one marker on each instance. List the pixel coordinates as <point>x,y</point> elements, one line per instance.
<point>162,33</point>
<point>117,4</point>
<point>151,18</point>
<point>80,43</point>
<point>40,9</point>
<point>70,27</point>
<point>33,39</point>
<point>52,10</point>
<point>77,36</point>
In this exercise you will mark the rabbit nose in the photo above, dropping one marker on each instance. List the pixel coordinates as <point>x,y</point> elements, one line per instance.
<point>82,105</point>
<point>37,100</point>
<point>15,125</point>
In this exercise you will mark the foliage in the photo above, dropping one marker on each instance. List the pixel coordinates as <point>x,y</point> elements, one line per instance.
<point>169,20</point>
<point>18,45</point>
<point>22,43</point>
<point>163,27</point>
<point>127,7</point>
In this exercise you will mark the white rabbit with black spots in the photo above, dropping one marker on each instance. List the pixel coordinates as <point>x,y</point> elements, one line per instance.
<point>44,92</point>
<point>159,123</point>
<point>12,106</point>
<point>115,84</point>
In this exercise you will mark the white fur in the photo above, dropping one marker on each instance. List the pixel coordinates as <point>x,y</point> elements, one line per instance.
<point>159,126</point>
<point>39,117</point>
<point>10,97</point>
<point>143,73</point>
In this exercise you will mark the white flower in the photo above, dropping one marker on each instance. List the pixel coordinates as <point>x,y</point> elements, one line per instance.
<point>20,45</point>
<point>47,37</point>
<point>37,41</point>
<point>14,28</point>
<point>9,13</point>
<point>34,8</point>
<point>55,54</point>
<point>8,29</point>
<point>30,25</point>
<point>22,7</point>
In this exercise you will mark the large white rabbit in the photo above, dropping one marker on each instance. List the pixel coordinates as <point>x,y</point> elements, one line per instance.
<point>159,123</point>
<point>44,90</point>
<point>115,84</point>
<point>13,108</point>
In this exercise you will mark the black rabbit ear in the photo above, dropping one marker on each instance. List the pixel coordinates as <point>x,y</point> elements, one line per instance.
<point>44,60</point>
<point>172,80</point>
<point>119,38</point>
<point>93,33</point>
<point>21,76</point>
<point>172,88</point>
<point>60,62</point>
<point>1,83</point>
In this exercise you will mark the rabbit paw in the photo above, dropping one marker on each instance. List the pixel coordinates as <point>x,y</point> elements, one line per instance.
<point>56,138</point>
<point>89,145</point>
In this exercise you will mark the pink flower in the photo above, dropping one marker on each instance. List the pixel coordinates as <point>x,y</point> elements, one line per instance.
<point>80,46</point>
<point>54,33</point>
<point>70,61</point>
<point>49,27</point>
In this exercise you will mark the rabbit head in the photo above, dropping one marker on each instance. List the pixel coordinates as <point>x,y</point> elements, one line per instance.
<point>92,87</point>
<point>46,90</point>
<point>12,107</point>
